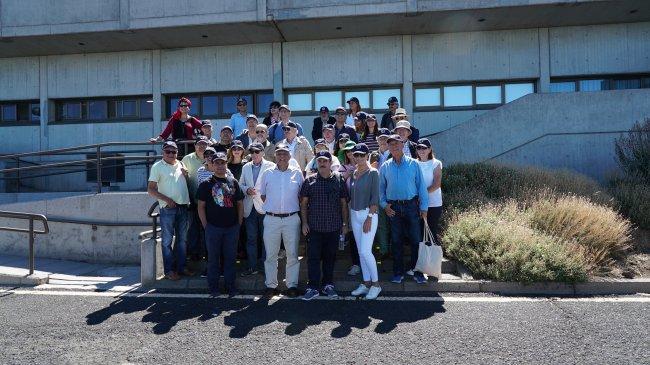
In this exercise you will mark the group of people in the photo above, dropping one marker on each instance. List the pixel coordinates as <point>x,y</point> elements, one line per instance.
<point>263,184</point>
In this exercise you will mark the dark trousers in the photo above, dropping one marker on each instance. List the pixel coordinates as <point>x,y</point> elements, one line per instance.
<point>195,236</point>
<point>433,220</point>
<point>354,251</point>
<point>254,233</point>
<point>405,226</point>
<point>321,247</point>
<point>220,241</point>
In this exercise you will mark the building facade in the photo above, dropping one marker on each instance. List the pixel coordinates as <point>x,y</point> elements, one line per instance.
<point>541,82</point>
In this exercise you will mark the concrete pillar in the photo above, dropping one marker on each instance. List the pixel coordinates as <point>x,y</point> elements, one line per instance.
<point>544,83</point>
<point>261,10</point>
<point>44,103</point>
<point>150,261</point>
<point>157,96</point>
<point>407,75</point>
<point>278,93</point>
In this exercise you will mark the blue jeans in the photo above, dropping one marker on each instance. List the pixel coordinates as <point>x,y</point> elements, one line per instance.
<point>405,224</point>
<point>254,231</point>
<point>173,221</point>
<point>221,241</point>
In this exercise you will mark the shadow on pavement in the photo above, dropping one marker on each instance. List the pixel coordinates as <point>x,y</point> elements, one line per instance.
<point>243,316</point>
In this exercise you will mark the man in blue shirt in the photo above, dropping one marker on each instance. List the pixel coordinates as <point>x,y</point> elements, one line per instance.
<point>238,120</point>
<point>403,196</point>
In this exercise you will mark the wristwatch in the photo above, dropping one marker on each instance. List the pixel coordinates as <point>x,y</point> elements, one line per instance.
<point>370,215</point>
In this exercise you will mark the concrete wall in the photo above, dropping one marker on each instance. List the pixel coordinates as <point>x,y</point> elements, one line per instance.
<point>96,244</point>
<point>22,74</point>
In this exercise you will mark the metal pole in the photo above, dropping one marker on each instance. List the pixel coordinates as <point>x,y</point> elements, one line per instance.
<point>31,246</point>
<point>99,169</point>
<point>155,227</point>
<point>18,173</point>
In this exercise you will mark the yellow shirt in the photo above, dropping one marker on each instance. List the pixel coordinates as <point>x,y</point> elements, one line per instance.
<point>171,182</point>
<point>192,163</point>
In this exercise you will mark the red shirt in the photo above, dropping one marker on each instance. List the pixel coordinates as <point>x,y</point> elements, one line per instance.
<point>190,125</point>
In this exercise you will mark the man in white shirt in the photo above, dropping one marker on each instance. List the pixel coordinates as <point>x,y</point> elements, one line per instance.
<point>253,204</point>
<point>329,135</point>
<point>279,188</point>
<point>299,147</point>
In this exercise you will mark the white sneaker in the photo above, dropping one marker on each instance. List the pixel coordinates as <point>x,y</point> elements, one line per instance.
<point>354,270</point>
<point>361,290</point>
<point>410,272</point>
<point>373,293</point>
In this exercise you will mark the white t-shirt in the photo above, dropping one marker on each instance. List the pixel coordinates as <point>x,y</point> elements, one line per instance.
<point>427,168</point>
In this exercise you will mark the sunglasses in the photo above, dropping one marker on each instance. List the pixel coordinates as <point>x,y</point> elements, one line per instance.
<point>170,152</point>
<point>338,113</point>
<point>359,154</point>
<point>260,132</point>
<point>184,106</point>
<point>240,104</point>
<point>208,154</point>
<point>256,151</point>
<point>422,148</point>
<point>286,129</point>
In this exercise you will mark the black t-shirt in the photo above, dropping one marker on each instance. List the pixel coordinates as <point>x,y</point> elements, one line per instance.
<point>220,196</point>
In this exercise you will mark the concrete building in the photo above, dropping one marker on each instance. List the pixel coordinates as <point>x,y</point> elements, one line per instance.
<point>544,82</point>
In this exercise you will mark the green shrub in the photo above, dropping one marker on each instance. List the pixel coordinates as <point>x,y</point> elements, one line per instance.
<point>497,243</point>
<point>633,152</point>
<point>633,197</point>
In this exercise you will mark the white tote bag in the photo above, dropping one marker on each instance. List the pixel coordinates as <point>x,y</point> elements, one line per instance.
<point>429,255</point>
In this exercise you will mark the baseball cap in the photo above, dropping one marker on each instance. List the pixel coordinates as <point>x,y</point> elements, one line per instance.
<point>394,137</point>
<point>324,109</point>
<point>206,123</point>
<point>281,147</point>
<point>340,108</point>
<point>256,146</point>
<point>171,144</point>
<point>285,106</point>
<point>210,149</point>
<point>292,125</point>
<point>328,126</point>
<point>252,116</point>
<point>324,154</point>
<point>424,142</point>
<point>219,156</point>
<point>349,145</point>
<point>237,143</point>
<point>344,136</point>
<point>392,99</point>
<point>360,148</point>
<point>320,141</point>
<point>354,98</point>
<point>361,116</point>
<point>384,132</point>
<point>241,100</point>
<point>201,139</point>
<point>227,127</point>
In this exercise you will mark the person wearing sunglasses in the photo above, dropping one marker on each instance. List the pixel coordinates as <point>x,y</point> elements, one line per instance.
<point>254,206</point>
<point>249,134</point>
<point>276,132</point>
<point>168,184</point>
<point>181,126</point>
<point>340,127</point>
<point>387,119</point>
<point>262,132</point>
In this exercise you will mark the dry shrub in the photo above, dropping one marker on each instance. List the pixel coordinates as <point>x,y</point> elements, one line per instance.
<point>601,232</point>
<point>633,197</point>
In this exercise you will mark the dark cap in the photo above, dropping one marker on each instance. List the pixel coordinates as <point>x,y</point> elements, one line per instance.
<point>424,142</point>
<point>241,100</point>
<point>171,144</point>
<point>237,143</point>
<point>252,116</point>
<point>210,149</point>
<point>341,108</point>
<point>227,127</point>
<point>393,99</point>
<point>320,141</point>
<point>292,125</point>
<point>206,123</point>
<point>256,146</point>
<point>324,109</point>
<point>285,106</point>
<point>361,116</point>
<point>354,98</point>
<point>394,137</point>
<point>324,155</point>
<point>344,136</point>
<point>328,126</point>
<point>384,132</point>
<point>202,139</point>
<point>371,116</point>
<point>219,156</point>
<point>281,147</point>
<point>360,148</point>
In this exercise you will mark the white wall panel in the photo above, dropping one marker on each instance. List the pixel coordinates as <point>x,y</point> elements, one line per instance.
<point>19,78</point>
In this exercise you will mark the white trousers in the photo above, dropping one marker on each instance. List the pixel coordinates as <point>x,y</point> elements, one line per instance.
<point>364,243</point>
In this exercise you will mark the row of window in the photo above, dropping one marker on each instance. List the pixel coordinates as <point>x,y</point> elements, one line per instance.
<point>21,111</point>
<point>369,99</point>
<point>470,95</point>
<point>588,84</point>
<point>130,108</point>
<point>219,106</point>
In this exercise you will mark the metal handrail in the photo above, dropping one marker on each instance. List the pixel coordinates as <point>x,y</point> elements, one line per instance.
<point>154,223</point>
<point>31,217</point>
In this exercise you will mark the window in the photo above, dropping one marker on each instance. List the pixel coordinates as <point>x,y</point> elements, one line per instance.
<point>563,87</point>
<point>606,83</point>
<point>220,105</point>
<point>112,170</point>
<point>469,96</point>
<point>105,109</point>
<point>308,102</point>
<point>592,85</point>
<point>9,113</point>
<point>516,91</point>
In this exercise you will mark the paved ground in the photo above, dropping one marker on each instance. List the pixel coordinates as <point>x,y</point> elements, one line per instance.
<point>43,326</point>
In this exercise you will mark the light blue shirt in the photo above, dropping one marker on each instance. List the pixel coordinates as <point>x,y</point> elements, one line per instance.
<point>402,181</point>
<point>278,133</point>
<point>238,124</point>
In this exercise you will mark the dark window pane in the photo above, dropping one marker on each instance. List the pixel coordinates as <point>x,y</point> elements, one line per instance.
<point>9,112</point>
<point>172,105</point>
<point>626,84</point>
<point>563,87</point>
<point>35,112</point>
<point>593,85</point>
<point>113,106</point>
<point>263,102</point>
<point>146,108</point>
<point>23,111</point>
<point>646,83</point>
<point>210,104</point>
<point>72,111</point>
<point>230,103</point>
<point>129,108</point>
<point>97,109</point>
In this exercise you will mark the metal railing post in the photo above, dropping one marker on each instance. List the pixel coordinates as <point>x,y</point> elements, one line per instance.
<point>18,173</point>
<point>99,169</point>
<point>31,246</point>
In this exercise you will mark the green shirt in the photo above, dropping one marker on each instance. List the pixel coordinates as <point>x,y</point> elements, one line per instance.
<point>171,182</point>
<point>192,163</point>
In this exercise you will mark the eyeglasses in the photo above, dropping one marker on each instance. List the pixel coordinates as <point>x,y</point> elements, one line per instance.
<point>260,132</point>
<point>170,152</point>
<point>240,104</point>
<point>184,106</point>
<point>256,151</point>
<point>286,129</point>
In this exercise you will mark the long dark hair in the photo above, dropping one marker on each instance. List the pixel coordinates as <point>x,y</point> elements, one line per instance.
<point>366,130</point>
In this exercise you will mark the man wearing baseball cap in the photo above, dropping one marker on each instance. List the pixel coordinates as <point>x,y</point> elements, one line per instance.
<point>225,141</point>
<point>298,146</point>
<point>206,129</point>
<point>341,127</point>
<point>276,132</point>
<point>238,120</point>
<point>221,210</point>
<point>387,119</point>
<point>324,212</point>
<point>321,120</point>
<point>249,136</point>
<point>168,184</point>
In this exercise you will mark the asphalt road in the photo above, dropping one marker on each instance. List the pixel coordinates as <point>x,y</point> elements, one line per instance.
<point>54,329</point>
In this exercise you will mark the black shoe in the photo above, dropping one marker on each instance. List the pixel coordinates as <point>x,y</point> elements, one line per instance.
<point>249,272</point>
<point>214,293</point>
<point>204,274</point>
<point>292,292</point>
<point>433,279</point>
<point>233,293</point>
<point>270,293</point>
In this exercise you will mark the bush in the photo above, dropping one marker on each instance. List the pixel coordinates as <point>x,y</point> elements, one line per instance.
<point>497,243</point>
<point>633,152</point>
<point>633,197</point>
